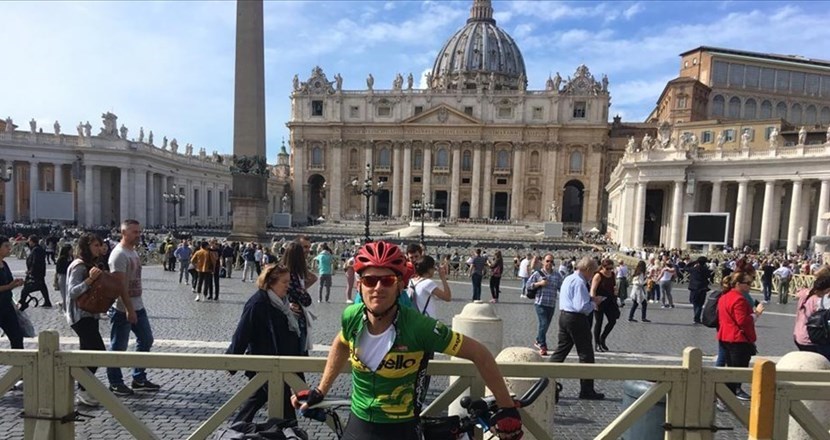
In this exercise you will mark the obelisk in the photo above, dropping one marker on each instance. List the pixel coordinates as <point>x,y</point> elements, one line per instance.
<point>249,199</point>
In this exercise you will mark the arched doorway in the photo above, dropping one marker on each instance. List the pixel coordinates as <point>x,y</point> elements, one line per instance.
<point>572,201</point>
<point>501,203</point>
<point>465,210</point>
<point>383,203</point>
<point>316,184</point>
<point>441,199</point>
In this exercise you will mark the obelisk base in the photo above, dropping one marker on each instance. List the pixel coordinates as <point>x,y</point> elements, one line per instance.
<point>249,217</point>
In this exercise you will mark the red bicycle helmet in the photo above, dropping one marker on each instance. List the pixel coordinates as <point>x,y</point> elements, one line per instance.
<point>380,254</point>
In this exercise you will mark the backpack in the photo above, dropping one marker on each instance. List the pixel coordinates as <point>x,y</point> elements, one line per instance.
<point>709,317</point>
<point>530,293</point>
<point>817,325</point>
<point>223,273</point>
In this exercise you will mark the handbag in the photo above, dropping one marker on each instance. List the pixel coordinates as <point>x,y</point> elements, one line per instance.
<point>25,323</point>
<point>101,295</point>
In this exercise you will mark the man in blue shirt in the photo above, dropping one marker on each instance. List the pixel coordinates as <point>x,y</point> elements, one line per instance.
<point>548,281</point>
<point>576,305</point>
<point>324,269</point>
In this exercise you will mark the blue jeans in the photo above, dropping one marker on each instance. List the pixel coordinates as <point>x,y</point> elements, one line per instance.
<point>476,286</point>
<point>545,315</point>
<point>767,286</point>
<point>524,287</point>
<point>120,338</point>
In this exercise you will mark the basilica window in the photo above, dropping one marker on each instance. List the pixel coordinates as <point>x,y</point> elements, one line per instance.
<point>825,86</point>
<point>505,112</point>
<point>736,75</point>
<point>766,110</point>
<point>825,116</point>
<point>354,111</point>
<point>753,74</point>
<point>466,161</point>
<point>782,80</point>
<point>316,108</point>
<point>781,110</point>
<point>503,160</point>
<point>384,111</point>
<point>195,202</point>
<point>720,73</point>
<point>735,108</point>
<point>354,158</point>
<point>706,137</point>
<point>418,160</point>
<point>385,158</point>
<point>729,135</point>
<point>419,109</point>
<point>468,110</point>
<point>575,163</point>
<point>538,113</point>
<point>768,132</point>
<point>812,84</point>
<point>209,203</point>
<point>316,157</point>
<point>579,109</point>
<point>795,114</point>
<point>749,109</point>
<point>810,115</point>
<point>535,162</point>
<point>681,101</point>
<point>718,105</point>
<point>442,159</point>
<point>767,79</point>
<point>797,82</point>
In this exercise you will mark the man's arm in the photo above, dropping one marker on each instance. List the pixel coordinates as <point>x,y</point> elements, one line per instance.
<point>479,355</point>
<point>336,361</point>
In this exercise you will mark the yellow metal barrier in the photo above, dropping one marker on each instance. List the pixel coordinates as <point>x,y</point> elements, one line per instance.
<point>690,389</point>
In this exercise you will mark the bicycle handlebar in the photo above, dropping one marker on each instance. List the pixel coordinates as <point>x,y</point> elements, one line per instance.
<point>527,399</point>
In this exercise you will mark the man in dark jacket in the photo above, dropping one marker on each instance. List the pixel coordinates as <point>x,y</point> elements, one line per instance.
<point>698,286</point>
<point>35,274</point>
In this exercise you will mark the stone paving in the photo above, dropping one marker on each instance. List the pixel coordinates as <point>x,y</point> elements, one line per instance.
<point>189,397</point>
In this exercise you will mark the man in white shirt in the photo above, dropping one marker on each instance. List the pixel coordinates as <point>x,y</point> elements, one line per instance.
<point>524,271</point>
<point>784,274</point>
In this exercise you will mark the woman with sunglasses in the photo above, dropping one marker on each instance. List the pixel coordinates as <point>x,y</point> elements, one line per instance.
<point>603,284</point>
<point>267,327</point>
<point>385,343</point>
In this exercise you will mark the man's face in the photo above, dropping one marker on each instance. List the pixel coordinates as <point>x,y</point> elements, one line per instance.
<point>131,234</point>
<point>415,257</point>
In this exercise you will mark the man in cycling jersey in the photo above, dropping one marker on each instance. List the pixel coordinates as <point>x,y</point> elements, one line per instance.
<point>384,343</point>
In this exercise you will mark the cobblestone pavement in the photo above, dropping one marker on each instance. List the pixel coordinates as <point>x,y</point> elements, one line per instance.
<point>189,397</point>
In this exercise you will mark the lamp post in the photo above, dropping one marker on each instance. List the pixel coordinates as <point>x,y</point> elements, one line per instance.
<point>368,189</point>
<point>422,207</point>
<point>174,198</point>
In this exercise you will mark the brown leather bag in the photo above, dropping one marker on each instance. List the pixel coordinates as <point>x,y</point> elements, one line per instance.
<point>102,294</point>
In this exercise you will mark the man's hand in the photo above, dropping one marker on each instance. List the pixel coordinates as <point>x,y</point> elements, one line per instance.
<point>17,282</point>
<point>305,398</point>
<point>506,423</point>
<point>132,318</point>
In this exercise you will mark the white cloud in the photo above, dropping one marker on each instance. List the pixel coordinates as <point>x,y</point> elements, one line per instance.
<point>633,10</point>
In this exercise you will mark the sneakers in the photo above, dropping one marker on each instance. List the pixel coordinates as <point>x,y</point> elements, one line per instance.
<point>121,390</point>
<point>198,298</point>
<point>493,301</point>
<point>82,397</point>
<point>145,385</point>
<point>18,386</point>
<point>348,301</point>
<point>592,396</point>
<point>742,395</point>
<point>543,349</point>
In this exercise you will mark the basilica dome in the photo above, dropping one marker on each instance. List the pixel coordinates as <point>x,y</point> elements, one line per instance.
<point>479,55</point>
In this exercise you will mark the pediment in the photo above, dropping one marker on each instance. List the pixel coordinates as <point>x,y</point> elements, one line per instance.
<point>442,115</point>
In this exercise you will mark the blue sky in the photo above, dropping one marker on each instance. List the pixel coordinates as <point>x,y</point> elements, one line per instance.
<point>168,66</point>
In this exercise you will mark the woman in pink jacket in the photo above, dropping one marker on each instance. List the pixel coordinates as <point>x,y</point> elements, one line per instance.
<point>810,300</point>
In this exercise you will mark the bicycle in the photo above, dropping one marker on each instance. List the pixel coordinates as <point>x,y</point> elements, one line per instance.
<point>479,413</point>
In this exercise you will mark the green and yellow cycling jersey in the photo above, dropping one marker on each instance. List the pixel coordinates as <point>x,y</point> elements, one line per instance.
<point>388,394</point>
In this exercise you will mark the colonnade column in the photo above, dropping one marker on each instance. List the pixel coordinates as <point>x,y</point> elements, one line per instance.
<point>11,199</point>
<point>795,217</point>
<point>824,193</point>
<point>157,200</point>
<point>639,215</point>
<point>406,200</point>
<point>89,195</point>
<point>124,195</point>
<point>58,178</point>
<point>715,203</point>
<point>34,187</point>
<point>676,215</point>
<point>396,180</point>
<point>336,184</point>
<point>476,182</point>
<point>150,194</point>
<point>740,208</point>
<point>455,196</point>
<point>140,189</point>
<point>488,180</point>
<point>766,216</point>
<point>427,176</point>
<point>517,193</point>
<point>625,226</point>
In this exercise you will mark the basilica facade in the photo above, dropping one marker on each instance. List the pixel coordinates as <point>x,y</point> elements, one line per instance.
<point>476,143</point>
<point>95,179</point>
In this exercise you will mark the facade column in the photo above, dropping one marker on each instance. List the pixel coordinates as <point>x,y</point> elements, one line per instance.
<point>740,213</point>
<point>406,193</point>
<point>767,216</point>
<point>396,180</point>
<point>549,188</point>
<point>335,186</point>
<point>427,176</point>
<point>625,226</point>
<point>124,195</point>
<point>676,216</point>
<point>517,192</point>
<point>34,187</point>
<point>591,203</point>
<point>11,196</point>
<point>639,216</point>
<point>140,206</point>
<point>715,204</point>
<point>298,199</point>
<point>455,188</point>
<point>89,195</point>
<point>824,193</point>
<point>488,181</point>
<point>58,178</point>
<point>807,203</point>
<point>795,217</point>
<point>475,195</point>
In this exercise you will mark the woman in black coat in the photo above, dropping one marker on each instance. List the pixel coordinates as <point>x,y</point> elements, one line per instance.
<point>267,327</point>
<point>699,276</point>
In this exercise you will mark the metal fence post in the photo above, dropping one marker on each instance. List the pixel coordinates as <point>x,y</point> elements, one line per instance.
<point>763,400</point>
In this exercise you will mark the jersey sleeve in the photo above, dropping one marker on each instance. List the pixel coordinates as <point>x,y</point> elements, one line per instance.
<point>440,338</point>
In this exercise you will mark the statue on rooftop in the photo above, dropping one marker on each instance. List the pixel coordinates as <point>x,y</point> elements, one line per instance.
<point>296,82</point>
<point>33,126</point>
<point>409,81</point>
<point>141,134</point>
<point>88,129</point>
<point>57,127</point>
<point>773,138</point>
<point>80,129</point>
<point>802,136</point>
<point>338,81</point>
<point>123,131</point>
<point>370,82</point>
<point>150,138</point>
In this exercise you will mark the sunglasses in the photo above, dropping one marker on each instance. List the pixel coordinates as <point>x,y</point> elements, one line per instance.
<point>385,281</point>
